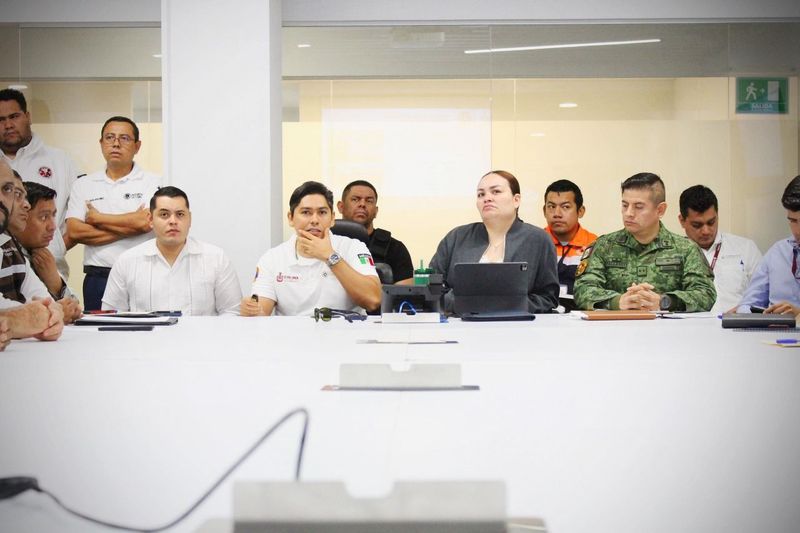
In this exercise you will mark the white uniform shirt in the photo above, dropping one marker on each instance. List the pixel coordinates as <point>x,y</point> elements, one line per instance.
<point>32,286</point>
<point>202,281</point>
<point>737,260</point>
<point>124,195</point>
<point>299,284</point>
<point>53,168</point>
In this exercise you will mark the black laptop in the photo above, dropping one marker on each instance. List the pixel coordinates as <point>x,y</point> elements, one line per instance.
<point>491,291</point>
<point>757,320</point>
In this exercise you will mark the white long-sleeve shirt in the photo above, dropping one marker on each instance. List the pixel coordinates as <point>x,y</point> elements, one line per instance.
<point>735,263</point>
<point>201,281</point>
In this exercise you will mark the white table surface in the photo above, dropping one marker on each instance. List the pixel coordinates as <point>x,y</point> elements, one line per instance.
<point>641,427</point>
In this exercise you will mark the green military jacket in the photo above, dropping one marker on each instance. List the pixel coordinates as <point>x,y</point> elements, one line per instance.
<point>673,264</point>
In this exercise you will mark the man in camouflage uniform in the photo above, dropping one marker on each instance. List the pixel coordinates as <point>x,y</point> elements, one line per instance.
<point>644,266</point>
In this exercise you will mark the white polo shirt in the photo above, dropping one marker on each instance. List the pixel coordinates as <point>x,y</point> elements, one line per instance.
<point>299,284</point>
<point>114,197</point>
<point>202,281</point>
<point>736,261</point>
<point>53,168</point>
<point>32,286</point>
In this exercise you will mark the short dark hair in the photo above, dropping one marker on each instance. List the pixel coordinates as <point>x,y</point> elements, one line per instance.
<point>647,180</point>
<point>565,186</point>
<point>358,183</point>
<point>513,182</point>
<point>13,94</point>
<point>791,195</point>
<point>699,199</point>
<point>122,119</point>
<point>16,174</point>
<point>38,192</point>
<point>307,188</point>
<point>170,192</point>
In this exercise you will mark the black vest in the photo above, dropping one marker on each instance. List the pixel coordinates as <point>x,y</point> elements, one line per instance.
<point>379,244</point>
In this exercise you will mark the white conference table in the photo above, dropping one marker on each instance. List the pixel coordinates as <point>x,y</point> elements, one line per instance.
<point>641,427</point>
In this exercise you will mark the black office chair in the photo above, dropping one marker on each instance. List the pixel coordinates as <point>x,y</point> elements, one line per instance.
<point>354,230</point>
<point>348,228</point>
<point>385,273</point>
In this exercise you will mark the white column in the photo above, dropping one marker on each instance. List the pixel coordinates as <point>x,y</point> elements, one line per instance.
<point>222,121</point>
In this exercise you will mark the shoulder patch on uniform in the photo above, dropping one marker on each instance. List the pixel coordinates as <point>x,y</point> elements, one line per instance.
<point>587,252</point>
<point>366,259</point>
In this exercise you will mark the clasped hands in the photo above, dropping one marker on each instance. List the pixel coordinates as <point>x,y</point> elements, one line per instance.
<point>640,296</point>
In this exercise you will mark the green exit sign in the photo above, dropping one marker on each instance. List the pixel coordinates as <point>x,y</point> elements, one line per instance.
<point>762,95</point>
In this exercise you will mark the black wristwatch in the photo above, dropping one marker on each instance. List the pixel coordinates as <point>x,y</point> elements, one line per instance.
<point>666,302</point>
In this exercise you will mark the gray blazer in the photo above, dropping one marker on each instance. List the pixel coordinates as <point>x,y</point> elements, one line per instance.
<point>524,242</point>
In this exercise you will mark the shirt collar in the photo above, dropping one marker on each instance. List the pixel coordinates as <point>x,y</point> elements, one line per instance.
<point>30,148</point>
<point>192,247</point>
<point>133,174</point>
<point>558,242</point>
<point>663,239</point>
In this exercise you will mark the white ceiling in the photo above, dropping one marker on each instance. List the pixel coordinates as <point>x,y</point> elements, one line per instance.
<point>685,50</point>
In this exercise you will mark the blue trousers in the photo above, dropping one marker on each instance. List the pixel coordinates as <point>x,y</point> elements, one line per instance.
<point>93,288</point>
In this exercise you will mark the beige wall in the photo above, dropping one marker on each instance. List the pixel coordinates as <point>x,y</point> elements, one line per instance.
<point>420,143</point>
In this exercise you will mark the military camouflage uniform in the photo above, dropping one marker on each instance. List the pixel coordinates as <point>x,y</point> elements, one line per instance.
<point>673,264</point>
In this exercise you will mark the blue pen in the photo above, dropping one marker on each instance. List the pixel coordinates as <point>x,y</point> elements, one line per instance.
<point>787,341</point>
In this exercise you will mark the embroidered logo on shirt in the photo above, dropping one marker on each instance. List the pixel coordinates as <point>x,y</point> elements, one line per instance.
<point>366,259</point>
<point>281,277</point>
<point>133,195</point>
<point>45,172</point>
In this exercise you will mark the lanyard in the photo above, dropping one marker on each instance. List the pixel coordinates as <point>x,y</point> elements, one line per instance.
<point>716,255</point>
<point>564,251</point>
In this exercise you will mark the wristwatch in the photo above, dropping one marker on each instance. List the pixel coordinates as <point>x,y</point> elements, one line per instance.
<point>666,302</point>
<point>333,259</point>
<point>61,292</point>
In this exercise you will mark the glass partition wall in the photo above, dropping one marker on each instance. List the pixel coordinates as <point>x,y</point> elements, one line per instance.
<point>423,112</point>
<point>74,79</point>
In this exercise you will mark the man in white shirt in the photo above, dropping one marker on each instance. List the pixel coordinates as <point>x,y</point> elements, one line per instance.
<point>25,152</point>
<point>733,259</point>
<point>173,272</point>
<point>42,318</point>
<point>314,268</point>
<point>107,209</point>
